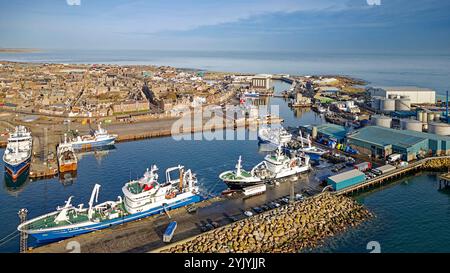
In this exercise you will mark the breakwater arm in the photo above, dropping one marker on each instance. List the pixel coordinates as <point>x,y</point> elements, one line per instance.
<point>292,228</point>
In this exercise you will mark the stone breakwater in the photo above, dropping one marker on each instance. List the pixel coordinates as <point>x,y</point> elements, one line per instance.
<point>292,228</point>
<point>436,164</point>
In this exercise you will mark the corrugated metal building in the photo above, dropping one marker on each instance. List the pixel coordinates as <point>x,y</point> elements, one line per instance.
<point>417,95</point>
<point>381,142</point>
<point>346,179</point>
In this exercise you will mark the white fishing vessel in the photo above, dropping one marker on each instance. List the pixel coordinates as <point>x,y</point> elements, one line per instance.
<point>142,198</point>
<point>274,166</point>
<point>307,148</point>
<point>274,136</point>
<point>99,138</point>
<point>17,156</point>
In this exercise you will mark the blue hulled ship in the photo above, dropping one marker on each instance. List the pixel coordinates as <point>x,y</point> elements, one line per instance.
<point>17,156</point>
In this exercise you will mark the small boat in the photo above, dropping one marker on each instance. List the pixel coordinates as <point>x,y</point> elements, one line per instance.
<point>17,156</point>
<point>310,150</point>
<point>273,136</point>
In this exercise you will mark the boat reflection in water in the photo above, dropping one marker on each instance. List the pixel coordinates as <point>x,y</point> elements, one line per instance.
<point>68,178</point>
<point>98,153</point>
<point>14,187</point>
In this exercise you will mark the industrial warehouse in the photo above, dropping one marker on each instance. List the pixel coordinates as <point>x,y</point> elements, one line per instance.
<point>380,142</point>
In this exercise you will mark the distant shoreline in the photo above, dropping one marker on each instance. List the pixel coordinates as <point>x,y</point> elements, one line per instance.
<point>18,50</point>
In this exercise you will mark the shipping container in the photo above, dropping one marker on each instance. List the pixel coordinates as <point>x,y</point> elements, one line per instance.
<point>346,179</point>
<point>384,169</point>
<point>364,166</point>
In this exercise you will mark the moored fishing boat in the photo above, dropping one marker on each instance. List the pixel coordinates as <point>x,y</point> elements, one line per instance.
<point>307,148</point>
<point>142,198</point>
<point>67,159</point>
<point>274,166</point>
<point>100,138</point>
<point>273,136</point>
<point>17,156</point>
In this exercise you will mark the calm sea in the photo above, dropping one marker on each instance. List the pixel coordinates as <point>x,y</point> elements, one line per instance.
<point>412,215</point>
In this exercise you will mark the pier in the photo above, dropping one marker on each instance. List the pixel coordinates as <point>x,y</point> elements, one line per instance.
<point>423,164</point>
<point>444,181</point>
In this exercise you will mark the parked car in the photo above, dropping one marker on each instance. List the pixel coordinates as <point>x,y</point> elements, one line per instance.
<point>265,208</point>
<point>209,227</point>
<point>233,219</point>
<point>299,197</point>
<point>248,213</point>
<point>191,209</point>
<point>257,209</point>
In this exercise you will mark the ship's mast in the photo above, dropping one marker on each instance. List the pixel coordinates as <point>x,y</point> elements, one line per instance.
<point>239,167</point>
<point>94,195</point>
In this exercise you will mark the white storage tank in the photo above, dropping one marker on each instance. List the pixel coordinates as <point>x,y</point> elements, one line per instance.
<point>382,121</point>
<point>437,117</point>
<point>420,116</point>
<point>439,128</point>
<point>403,104</point>
<point>430,117</point>
<point>314,132</point>
<point>411,124</point>
<point>387,105</point>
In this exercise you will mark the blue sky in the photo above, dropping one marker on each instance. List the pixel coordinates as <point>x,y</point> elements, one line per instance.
<point>262,25</point>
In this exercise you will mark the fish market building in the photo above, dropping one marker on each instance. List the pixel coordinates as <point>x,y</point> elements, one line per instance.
<point>380,142</point>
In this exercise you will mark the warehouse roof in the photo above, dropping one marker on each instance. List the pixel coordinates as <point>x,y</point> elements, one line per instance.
<point>385,136</point>
<point>332,130</point>
<point>345,175</point>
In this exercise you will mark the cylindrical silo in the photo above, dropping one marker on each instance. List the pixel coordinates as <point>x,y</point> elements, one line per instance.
<point>420,116</point>
<point>403,104</point>
<point>314,132</point>
<point>387,105</point>
<point>411,124</point>
<point>437,116</point>
<point>439,128</point>
<point>383,121</point>
<point>430,117</point>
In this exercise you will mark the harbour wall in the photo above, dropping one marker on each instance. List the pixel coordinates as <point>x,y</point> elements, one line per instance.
<point>292,228</point>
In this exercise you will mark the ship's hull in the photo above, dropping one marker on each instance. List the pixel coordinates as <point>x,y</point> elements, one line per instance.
<point>87,145</point>
<point>68,167</point>
<point>64,233</point>
<point>16,170</point>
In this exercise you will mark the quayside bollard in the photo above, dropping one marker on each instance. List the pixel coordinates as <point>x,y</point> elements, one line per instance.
<point>23,235</point>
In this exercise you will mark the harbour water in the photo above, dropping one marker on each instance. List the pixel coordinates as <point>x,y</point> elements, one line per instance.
<point>412,215</point>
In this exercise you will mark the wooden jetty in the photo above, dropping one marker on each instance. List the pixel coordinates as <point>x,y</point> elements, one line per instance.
<point>444,180</point>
